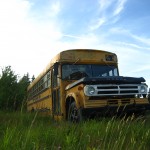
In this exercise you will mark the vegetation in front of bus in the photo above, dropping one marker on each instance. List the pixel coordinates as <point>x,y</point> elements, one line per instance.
<point>31,131</point>
<point>12,89</point>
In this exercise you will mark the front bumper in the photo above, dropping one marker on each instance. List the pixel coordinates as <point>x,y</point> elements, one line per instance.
<point>110,110</point>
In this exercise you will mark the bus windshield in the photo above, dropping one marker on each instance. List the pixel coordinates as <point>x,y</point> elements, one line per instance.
<point>75,72</point>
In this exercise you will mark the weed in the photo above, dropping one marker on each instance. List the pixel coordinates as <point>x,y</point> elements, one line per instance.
<point>26,131</point>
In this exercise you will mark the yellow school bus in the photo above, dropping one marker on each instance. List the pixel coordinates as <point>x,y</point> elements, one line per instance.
<point>85,82</point>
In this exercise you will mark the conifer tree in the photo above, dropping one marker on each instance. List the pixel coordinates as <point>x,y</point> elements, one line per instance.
<point>12,92</point>
<point>8,88</point>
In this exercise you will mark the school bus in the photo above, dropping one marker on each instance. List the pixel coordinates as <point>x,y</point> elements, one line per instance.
<point>85,82</point>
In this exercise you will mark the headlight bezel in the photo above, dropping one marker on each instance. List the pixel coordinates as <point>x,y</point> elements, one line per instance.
<point>143,89</point>
<point>89,90</point>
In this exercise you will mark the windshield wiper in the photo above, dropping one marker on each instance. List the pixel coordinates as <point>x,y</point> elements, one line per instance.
<point>76,61</point>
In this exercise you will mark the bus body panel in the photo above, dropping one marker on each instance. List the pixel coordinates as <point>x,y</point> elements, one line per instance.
<point>70,92</point>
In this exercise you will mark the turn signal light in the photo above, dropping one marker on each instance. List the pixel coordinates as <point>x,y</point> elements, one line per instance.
<point>80,88</point>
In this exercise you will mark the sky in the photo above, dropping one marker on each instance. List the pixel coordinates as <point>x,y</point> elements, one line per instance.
<point>34,31</point>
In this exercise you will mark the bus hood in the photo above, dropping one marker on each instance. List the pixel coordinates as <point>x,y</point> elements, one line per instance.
<point>106,80</point>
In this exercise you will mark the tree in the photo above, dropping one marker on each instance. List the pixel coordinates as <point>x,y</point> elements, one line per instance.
<point>22,91</point>
<point>32,79</point>
<point>8,86</point>
<point>12,92</point>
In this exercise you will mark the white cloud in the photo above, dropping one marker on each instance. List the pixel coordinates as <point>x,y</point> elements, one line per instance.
<point>119,7</point>
<point>52,10</point>
<point>109,11</point>
<point>79,42</point>
<point>132,45</point>
<point>55,8</point>
<point>141,39</point>
<point>25,42</point>
<point>104,4</point>
<point>72,36</point>
<point>131,35</point>
<point>98,23</point>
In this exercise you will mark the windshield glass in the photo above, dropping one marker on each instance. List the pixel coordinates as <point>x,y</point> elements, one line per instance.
<point>75,72</point>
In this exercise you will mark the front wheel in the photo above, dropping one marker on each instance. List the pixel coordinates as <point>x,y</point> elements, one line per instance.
<point>74,114</point>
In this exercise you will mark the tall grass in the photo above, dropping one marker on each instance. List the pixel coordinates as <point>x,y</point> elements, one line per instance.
<point>25,131</point>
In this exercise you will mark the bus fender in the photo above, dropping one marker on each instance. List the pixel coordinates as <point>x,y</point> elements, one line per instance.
<point>75,97</point>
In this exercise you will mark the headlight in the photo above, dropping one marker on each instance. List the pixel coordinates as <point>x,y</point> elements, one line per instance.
<point>143,89</point>
<point>89,90</point>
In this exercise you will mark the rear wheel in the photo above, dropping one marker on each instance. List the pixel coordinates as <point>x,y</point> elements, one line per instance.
<point>74,114</point>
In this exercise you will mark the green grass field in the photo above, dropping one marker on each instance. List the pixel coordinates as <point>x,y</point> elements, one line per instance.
<point>25,131</point>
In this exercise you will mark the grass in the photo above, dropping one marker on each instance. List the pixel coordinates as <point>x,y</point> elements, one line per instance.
<point>25,131</point>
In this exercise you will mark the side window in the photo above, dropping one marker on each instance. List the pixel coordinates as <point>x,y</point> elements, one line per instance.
<point>48,79</point>
<point>45,82</point>
<point>41,85</point>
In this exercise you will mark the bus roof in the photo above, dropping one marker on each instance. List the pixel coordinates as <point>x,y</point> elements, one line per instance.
<point>76,56</point>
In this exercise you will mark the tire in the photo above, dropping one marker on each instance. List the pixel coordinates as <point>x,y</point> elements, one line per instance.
<point>74,114</point>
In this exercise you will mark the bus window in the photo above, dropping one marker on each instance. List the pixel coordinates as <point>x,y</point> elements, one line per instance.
<point>71,72</point>
<point>48,79</point>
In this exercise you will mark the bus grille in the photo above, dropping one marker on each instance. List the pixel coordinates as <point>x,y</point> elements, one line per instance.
<point>117,90</point>
<point>114,90</point>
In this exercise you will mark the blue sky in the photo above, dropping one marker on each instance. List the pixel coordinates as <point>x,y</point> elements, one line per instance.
<point>33,31</point>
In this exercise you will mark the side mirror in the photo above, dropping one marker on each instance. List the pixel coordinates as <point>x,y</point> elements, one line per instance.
<point>56,69</point>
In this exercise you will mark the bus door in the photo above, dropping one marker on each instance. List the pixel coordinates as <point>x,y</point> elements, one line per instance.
<point>56,105</point>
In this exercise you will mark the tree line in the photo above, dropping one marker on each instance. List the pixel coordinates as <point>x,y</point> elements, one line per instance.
<point>13,90</point>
